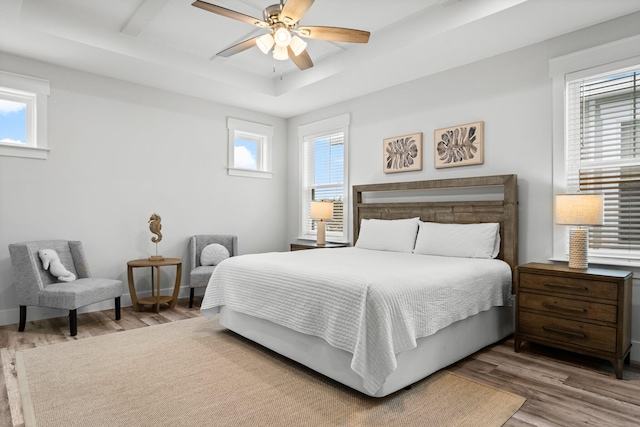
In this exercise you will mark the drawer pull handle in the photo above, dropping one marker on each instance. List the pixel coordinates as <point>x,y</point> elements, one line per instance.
<point>560,331</point>
<point>563,286</point>
<point>562,307</point>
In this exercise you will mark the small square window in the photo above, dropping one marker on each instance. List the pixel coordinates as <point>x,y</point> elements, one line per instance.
<point>13,121</point>
<point>249,149</point>
<point>23,116</point>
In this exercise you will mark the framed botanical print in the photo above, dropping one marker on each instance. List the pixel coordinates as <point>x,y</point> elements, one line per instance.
<point>459,145</point>
<point>402,153</point>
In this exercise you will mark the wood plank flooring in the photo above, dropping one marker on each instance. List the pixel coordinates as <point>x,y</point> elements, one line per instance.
<point>562,389</point>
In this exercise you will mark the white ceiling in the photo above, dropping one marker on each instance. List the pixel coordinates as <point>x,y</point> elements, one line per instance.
<point>171,45</point>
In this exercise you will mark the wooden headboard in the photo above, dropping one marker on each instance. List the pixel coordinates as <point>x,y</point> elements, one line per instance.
<point>452,206</point>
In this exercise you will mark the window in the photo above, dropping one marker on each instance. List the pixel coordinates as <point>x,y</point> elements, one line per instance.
<point>603,155</point>
<point>249,149</point>
<point>323,177</point>
<point>23,116</point>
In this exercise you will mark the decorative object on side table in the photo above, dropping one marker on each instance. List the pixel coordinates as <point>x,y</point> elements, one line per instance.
<point>459,145</point>
<point>321,210</point>
<point>155,226</point>
<point>584,311</point>
<point>579,209</point>
<point>402,153</point>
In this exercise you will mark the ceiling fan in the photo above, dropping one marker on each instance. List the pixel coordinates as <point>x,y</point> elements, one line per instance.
<point>282,21</point>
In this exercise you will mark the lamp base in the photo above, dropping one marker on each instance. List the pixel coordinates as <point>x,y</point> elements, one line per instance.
<point>578,248</point>
<point>320,240</point>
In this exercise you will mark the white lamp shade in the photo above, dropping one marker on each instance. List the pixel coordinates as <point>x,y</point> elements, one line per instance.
<point>265,43</point>
<point>282,37</point>
<point>321,210</point>
<point>280,53</point>
<point>297,45</point>
<point>579,209</point>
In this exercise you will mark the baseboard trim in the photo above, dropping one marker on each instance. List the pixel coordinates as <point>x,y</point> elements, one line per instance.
<point>12,316</point>
<point>635,351</point>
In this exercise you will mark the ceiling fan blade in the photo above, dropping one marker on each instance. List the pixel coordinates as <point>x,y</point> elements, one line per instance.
<point>334,34</point>
<point>293,10</point>
<point>302,61</point>
<point>237,48</point>
<point>230,13</point>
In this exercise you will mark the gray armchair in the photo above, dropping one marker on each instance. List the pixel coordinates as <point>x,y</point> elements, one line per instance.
<point>38,287</point>
<point>200,274</point>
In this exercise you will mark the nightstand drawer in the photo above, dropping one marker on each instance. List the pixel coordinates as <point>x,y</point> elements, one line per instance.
<point>568,331</point>
<point>569,286</point>
<point>569,307</point>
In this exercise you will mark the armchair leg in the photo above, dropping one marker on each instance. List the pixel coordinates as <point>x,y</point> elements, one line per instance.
<point>23,318</point>
<point>73,322</point>
<point>191,294</point>
<point>118,308</point>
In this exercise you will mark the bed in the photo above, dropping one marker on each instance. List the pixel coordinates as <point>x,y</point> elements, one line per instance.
<point>365,316</point>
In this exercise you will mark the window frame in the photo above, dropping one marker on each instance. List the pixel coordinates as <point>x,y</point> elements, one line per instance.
<point>590,62</point>
<point>34,93</point>
<point>263,135</point>
<point>338,124</point>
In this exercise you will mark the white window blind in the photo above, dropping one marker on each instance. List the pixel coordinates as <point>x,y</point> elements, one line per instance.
<point>324,170</point>
<point>603,156</point>
<point>324,175</point>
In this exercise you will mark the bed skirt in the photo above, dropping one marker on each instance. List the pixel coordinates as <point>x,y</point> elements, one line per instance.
<point>447,346</point>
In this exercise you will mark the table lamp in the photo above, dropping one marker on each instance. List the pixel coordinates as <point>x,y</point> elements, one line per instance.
<point>579,209</point>
<point>321,211</point>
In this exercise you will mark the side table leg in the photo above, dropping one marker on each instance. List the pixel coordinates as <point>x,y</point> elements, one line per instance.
<point>158,293</point>
<point>176,286</point>
<point>618,367</point>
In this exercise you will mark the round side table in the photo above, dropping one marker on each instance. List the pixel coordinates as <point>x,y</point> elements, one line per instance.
<point>155,298</point>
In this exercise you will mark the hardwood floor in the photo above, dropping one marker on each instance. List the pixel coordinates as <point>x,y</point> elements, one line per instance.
<point>562,389</point>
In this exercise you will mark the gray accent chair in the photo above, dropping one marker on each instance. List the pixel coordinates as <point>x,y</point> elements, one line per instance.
<point>37,287</point>
<point>200,274</point>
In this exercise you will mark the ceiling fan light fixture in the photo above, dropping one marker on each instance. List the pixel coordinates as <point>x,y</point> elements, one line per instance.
<point>282,37</point>
<point>297,45</point>
<point>280,53</point>
<point>265,43</point>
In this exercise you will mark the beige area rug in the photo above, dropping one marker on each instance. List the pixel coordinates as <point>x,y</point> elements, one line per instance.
<point>195,373</point>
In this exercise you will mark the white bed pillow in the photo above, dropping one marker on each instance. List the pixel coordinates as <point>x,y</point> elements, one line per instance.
<point>213,254</point>
<point>395,235</point>
<point>458,240</point>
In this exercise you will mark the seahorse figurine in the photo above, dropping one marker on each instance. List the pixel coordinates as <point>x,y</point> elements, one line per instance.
<point>155,227</point>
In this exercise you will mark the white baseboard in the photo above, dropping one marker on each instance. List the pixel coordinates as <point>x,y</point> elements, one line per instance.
<point>12,316</point>
<point>635,351</point>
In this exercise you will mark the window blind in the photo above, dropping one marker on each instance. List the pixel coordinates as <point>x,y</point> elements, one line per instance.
<point>324,179</point>
<point>603,155</point>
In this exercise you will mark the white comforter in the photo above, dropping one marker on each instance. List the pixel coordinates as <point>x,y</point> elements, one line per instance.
<point>373,304</point>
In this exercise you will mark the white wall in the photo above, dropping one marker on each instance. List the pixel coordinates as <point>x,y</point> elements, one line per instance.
<point>511,93</point>
<point>120,152</point>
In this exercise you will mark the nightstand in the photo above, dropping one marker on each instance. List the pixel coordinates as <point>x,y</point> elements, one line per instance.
<point>584,311</point>
<point>310,244</point>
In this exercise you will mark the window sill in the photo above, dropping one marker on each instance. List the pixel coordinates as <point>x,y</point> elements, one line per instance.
<point>13,150</point>
<point>328,238</point>
<point>603,261</point>
<point>250,173</point>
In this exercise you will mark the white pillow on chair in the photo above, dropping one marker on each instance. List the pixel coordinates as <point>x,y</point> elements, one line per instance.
<point>213,254</point>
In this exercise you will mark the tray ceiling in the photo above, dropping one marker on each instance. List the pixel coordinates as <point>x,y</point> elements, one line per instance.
<point>171,45</point>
